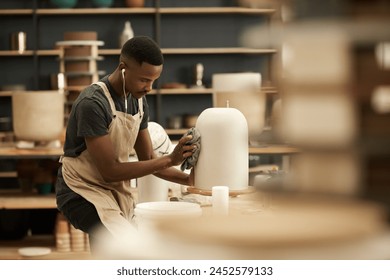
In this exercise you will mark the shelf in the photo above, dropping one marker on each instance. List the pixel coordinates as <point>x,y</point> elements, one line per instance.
<point>172,51</point>
<point>16,53</point>
<point>8,174</point>
<point>263,168</point>
<point>164,91</point>
<point>166,51</point>
<point>96,11</point>
<point>15,12</point>
<point>270,90</point>
<point>145,10</point>
<point>5,93</point>
<point>13,152</point>
<point>27,201</point>
<point>53,52</point>
<point>174,91</point>
<point>109,51</point>
<point>216,10</point>
<point>217,51</point>
<point>30,53</point>
<point>273,149</point>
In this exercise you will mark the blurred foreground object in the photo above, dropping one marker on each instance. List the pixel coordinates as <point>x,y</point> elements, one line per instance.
<point>333,76</point>
<point>294,227</point>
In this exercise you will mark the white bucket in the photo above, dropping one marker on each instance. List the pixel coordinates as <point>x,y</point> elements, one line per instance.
<point>148,214</point>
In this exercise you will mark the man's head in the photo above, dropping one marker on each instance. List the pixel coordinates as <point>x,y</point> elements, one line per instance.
<point>142,49</point>
<point>141,61</point>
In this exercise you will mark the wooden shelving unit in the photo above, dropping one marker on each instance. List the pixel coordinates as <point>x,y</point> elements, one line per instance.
<point>158,13</point>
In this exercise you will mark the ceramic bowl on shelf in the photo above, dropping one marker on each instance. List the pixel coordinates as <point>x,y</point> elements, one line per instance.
<point>64,3</point>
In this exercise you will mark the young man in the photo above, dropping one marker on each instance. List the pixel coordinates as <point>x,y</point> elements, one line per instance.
<point>107,121</point>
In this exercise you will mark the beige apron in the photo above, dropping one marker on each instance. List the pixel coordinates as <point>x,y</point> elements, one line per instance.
<point>113,201</point>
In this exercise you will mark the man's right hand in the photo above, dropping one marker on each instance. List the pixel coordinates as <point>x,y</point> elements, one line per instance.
<point>182,150</point>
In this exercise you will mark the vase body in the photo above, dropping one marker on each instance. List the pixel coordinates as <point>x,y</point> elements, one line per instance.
<point>223,158</point>
<point>126,34</point>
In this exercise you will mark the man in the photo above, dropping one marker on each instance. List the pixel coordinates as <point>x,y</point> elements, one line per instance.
<point>107,120</point>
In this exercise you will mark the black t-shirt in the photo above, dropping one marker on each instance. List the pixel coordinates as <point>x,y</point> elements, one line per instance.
<point>91,116</point>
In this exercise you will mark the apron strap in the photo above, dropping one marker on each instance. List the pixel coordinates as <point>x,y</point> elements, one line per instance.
<point>108,95</point>
<point>141,108</point>
<point>112,105</point>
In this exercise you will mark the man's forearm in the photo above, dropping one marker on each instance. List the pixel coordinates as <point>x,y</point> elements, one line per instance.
<point>173,175</point>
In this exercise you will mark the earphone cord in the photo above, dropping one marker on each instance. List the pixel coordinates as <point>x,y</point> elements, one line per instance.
<point>124,91</point>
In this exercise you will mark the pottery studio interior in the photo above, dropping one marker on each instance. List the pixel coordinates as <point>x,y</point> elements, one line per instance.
<point>288,101</point>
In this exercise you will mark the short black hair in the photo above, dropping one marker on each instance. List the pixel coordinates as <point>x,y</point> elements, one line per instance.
<point>142,49</point>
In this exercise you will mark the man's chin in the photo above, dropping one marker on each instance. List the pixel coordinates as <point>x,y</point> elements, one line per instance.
<point>138,95</point>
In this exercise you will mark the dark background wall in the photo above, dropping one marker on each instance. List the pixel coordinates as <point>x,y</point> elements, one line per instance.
<point>173,31</point>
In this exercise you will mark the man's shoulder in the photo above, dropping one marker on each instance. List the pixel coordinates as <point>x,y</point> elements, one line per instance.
<point>92,94</point>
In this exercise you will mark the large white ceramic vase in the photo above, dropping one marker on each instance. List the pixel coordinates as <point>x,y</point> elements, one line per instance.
<point>223,159</point>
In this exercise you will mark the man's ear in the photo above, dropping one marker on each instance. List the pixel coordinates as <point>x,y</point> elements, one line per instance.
<point>122,65</point>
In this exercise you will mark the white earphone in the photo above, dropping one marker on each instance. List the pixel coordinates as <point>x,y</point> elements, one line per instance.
<point>124,88</point>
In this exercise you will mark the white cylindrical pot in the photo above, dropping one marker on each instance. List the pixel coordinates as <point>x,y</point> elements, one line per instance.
<point>38,115</point>
<point>150,187</point>
<point>223,159</point>
<point>220,199</point>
